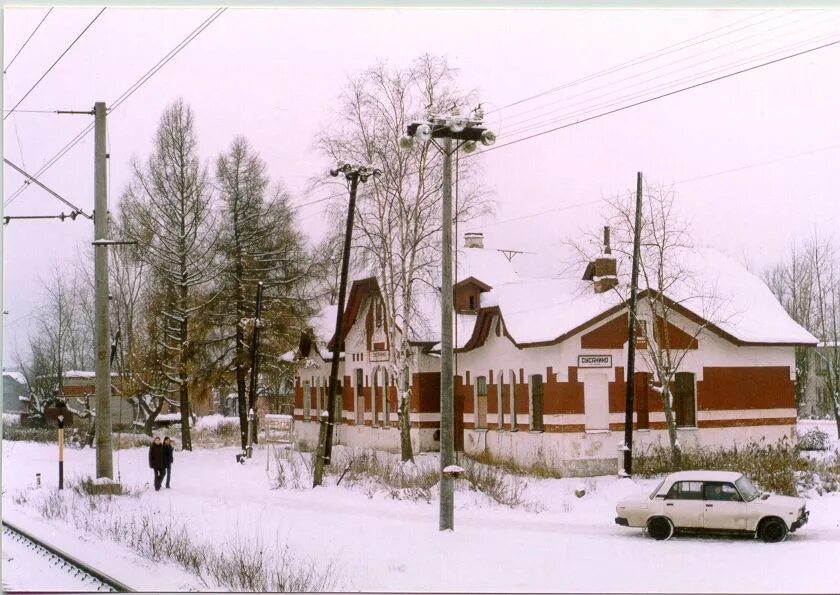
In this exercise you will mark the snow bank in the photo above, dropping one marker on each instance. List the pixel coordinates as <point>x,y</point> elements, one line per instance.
<point>215,421</point>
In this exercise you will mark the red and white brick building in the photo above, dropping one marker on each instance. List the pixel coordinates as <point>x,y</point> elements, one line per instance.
<point>540,364</point>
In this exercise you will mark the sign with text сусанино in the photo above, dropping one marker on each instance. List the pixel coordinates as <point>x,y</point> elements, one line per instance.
<point>594,361</point>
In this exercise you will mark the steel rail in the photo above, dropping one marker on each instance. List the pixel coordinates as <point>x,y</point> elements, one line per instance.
<point>103,578</point>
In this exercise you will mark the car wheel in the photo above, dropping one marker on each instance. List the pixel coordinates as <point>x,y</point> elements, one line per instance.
<point>660,527</point>
<point>773,530</point>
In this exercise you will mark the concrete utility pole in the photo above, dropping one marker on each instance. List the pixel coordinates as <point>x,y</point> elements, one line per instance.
<point>631,345</point>
<point>104,455</point>
<point>447,411</point>
<point>468,132</point>
<point>323,454</point>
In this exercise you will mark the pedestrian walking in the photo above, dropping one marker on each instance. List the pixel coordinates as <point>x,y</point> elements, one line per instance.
<point>157,461</point>
<point>169,451</point>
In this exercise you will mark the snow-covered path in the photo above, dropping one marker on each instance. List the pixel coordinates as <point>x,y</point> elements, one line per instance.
<point>380,544</point>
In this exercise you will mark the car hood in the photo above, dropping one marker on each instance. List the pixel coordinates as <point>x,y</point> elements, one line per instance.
<point>787,502</point>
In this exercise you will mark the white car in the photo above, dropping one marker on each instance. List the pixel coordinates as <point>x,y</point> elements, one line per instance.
<point>712,501</point>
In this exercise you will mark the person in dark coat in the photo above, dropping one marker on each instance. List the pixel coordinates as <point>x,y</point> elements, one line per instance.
<point>169,451</point>
<point>157,461</point>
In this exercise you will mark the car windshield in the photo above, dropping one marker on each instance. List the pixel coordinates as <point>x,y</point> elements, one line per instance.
<point>656,490</point>
<point>747,489</point>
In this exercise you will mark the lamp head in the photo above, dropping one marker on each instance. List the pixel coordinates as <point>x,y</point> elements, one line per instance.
<point>488,138</point>
<point>469,146</point>
<point>423,133</point>
<point>457,123</point>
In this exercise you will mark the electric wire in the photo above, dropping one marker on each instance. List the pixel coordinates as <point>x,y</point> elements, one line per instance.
<point>543,111</point>
<point>67,49</point>
<point>31,35</point>
<point>638,60</point>
<point>677,183</point>
<point>686,79</point>
<point>120,100</point>
<point>661,96</point>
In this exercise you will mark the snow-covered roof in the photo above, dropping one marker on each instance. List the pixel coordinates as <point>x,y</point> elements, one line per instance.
<point>543,298</point>
<point>714,288</point>
<point>16,376</point>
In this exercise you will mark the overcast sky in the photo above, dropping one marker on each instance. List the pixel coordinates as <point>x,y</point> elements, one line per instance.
<point>273,75</point>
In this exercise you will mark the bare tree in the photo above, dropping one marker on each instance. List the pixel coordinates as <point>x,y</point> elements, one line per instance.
<point>792,282</point>
<point>398,222</point>
<point>667,286</point>
<point>168,210</point>
<point>825,260</point>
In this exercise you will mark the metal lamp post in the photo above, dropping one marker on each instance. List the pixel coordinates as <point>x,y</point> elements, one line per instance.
<point>468,132</point>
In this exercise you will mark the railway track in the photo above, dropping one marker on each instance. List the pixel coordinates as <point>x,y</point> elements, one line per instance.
<point>64,560</point>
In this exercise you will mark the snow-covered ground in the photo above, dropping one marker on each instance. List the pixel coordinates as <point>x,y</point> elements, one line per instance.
<point>375,543</point>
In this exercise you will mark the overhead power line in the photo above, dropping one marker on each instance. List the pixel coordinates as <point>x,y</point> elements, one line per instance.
<point>122,98</point>
<point>661,96</point>
<point>31,35</point>
<point>610,100</point>
<point>642,59</point>
<point>67,49</point>
<point>688,61</point>
<point>677,183</point>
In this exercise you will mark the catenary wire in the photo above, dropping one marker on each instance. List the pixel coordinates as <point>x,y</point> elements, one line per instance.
<point>121,99</point>
<point>67,49</point>
<point>31,35</point>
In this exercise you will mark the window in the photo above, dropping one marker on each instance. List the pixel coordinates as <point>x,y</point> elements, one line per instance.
<point>641,334</point>
<point>481,402</point>
<point>500,401</point>
<point>339,405</point>
<point>513,427</point>
<point>724,492</point>
<point>537,402</point>
<point>360,398</point>
<point>378,313</point>
<point>686,490</point>
<point>684,400</point>
<point>307,401</point>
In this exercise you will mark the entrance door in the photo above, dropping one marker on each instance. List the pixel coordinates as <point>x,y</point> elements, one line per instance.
<point>596,402</point>
<point>684,399</point>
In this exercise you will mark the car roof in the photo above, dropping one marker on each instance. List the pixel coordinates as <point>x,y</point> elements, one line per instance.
<point>700,475</point>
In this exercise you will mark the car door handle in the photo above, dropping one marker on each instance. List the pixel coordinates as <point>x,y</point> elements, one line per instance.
<point>669,504</point>
<point>710,505</point>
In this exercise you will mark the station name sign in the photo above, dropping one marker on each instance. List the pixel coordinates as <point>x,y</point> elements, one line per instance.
<point>380,356</point>
<point>594,361</point>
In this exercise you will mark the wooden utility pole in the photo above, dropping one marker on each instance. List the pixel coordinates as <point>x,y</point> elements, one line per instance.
<point>104,455</point>
<point>631,345</point>
<point>323,453</point>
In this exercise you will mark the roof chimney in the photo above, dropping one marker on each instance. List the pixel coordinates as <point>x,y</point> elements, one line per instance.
<point>473,239</point>
<point>602,270</point>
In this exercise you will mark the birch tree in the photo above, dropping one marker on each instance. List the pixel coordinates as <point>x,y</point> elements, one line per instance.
<point>168,207</point>
<point>398,221</point>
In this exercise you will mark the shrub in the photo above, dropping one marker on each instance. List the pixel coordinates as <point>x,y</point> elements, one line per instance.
<point>91,487</point>
<point>814,439</point>
<point>539,469</point>
<point>501,487</point>
<point>777,468</point>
